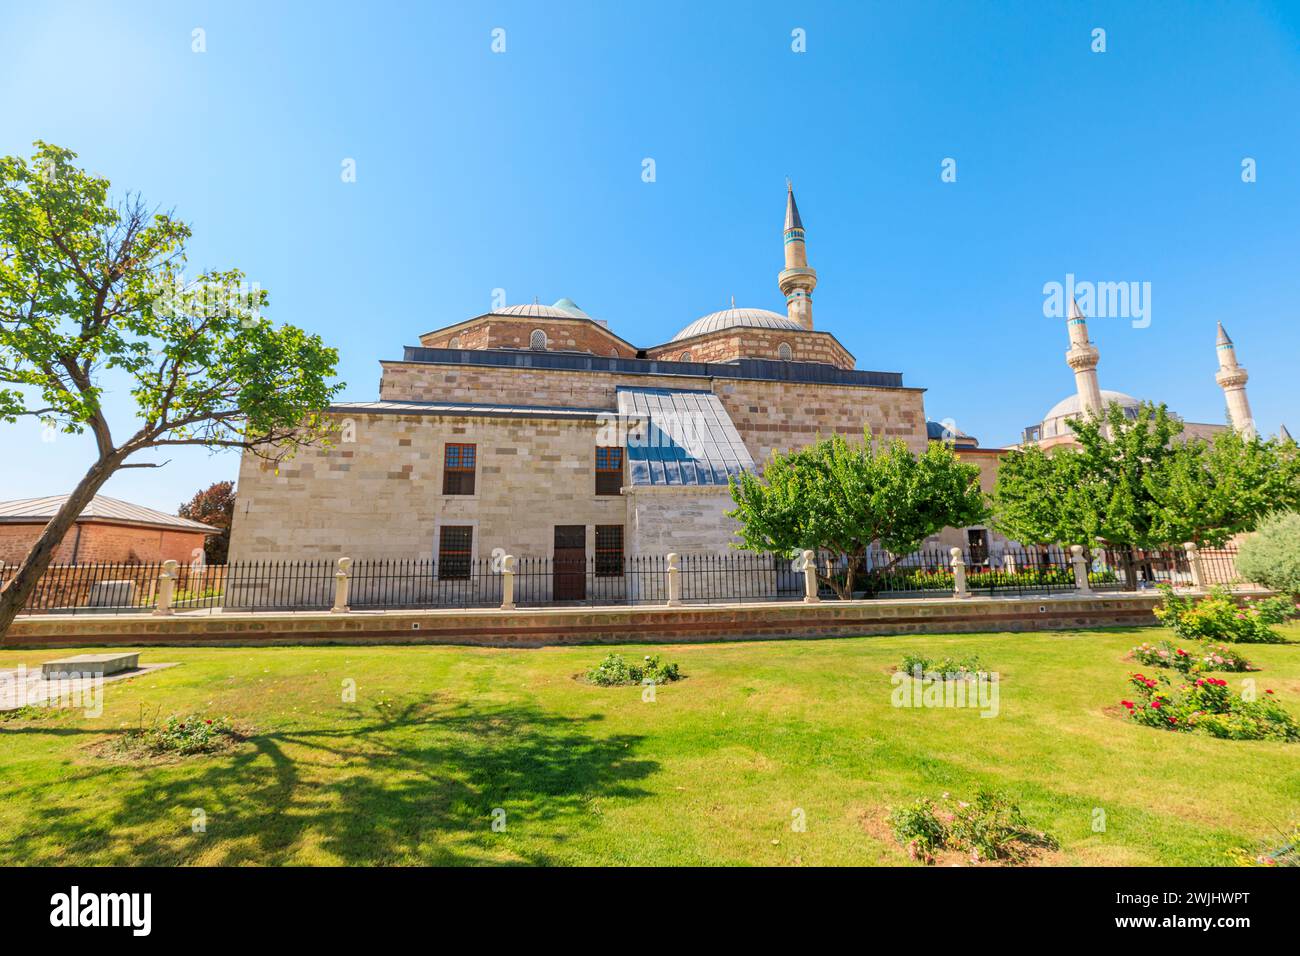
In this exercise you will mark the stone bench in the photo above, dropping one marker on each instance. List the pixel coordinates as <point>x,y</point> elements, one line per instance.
<point>85,665</point>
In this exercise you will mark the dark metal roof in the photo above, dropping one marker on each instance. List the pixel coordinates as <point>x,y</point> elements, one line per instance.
<point>762,369</point>
<point>680,437</point>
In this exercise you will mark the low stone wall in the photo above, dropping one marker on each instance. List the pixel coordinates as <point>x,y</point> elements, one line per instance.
<point>538,627</point>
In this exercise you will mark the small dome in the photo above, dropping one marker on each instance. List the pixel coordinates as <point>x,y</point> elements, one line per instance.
<point>742,318</point>
<point>533,310</point>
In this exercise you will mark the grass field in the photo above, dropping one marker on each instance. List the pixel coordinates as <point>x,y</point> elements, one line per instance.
<point>709,773</point>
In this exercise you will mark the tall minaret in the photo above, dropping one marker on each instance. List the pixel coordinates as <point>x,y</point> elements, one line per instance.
<point>1083,357</point>
<point>1232,379</point>
<point>797,281</point>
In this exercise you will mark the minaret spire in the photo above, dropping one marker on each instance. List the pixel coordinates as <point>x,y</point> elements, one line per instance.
<point>797,281</point>
<point>1232,379</point>
<point>1082,358</point>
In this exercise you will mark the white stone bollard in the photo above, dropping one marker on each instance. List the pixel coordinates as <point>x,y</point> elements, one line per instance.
<point>958,574</point>
<point>166,587</point>
<point>508,583</point>
<point>1194,562</point>
<point>674,580</point>
<point>341,586</point>
<point>810,578</point>
<point>1080,563</point>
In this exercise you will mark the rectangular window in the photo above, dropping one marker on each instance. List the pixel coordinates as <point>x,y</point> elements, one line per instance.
<point>609,550</point>
<point>609,470</point>
<point>458,469</point>
<point>454,549</point>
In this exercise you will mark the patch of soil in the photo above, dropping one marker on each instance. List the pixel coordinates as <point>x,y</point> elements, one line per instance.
<point>875,823</point>
<point>122,747</point>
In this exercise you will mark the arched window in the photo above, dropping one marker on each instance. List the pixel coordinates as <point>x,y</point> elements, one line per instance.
<point>684,357</point>
<point>537,341</point>
<point>454,343</point>
<point>784,352</point>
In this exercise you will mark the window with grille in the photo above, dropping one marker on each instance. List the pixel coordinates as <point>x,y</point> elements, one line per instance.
<point>537,341</point>
<point>609,550</point>
<point>454,549</point>
<point>685,357</point>
<point>458,469</point>
<point>784,352</point>
<point>609,470</point>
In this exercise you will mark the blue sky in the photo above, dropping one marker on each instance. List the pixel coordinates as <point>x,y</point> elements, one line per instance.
<point>522,170</point>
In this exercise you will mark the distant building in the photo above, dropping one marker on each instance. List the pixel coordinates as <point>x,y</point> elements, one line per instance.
<point>108,530</point>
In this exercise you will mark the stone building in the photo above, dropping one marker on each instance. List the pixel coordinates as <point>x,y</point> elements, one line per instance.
<point>538,431</point>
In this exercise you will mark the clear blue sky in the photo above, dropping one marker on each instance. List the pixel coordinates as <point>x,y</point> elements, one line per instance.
<point>522,170</point>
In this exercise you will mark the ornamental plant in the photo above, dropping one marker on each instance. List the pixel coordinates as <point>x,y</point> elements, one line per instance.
<point>180,735</point>
<point>1218,657</point>
<point>958,666</point>
<point>1207,705</point>
<point>613,671</point>
<point>1216,617</point>
<point>989,828</point>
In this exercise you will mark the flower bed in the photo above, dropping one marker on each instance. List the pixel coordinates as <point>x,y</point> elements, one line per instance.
<point>1218,618</point>
<point>989,828</point>
<point>1216,657</point>
<point>1207,705</point>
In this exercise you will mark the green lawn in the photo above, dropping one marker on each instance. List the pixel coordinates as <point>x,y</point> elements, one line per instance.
<point>708,774</point>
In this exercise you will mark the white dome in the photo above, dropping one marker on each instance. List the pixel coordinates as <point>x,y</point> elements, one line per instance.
<point>1071,404</point>
<point>1070,407</point>
<point>733,318</point>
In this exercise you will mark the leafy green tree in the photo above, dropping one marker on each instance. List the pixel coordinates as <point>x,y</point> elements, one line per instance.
<point>1271,556</point>
<point>837,498</point>
<point>89,289</point>
<point>1208,492</point>
<point>1135,482</point>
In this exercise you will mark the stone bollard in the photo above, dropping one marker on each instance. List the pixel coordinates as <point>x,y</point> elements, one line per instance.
<point>341,587</point>
<point>810,578</point>
<point>958,575</point>
<point>166,587</point>
<point>1194,562</point>
<point>674,580</point>
<point>1081,583</point>
<point>508,583</point>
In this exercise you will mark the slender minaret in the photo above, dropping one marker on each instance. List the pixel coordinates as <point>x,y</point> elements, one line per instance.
<point>797,281</point>
<point>1082,358</point>
<point>1232,379</point>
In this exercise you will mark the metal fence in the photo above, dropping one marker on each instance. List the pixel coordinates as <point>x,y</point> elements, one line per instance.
<point>383,584</point>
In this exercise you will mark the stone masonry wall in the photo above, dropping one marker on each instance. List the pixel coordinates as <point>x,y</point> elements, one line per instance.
<point>727,345</point>
<point>380,496</point>
<point>103,543</point>
<point>500,333</point>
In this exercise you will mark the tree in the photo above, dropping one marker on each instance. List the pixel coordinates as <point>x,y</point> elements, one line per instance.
<point>1135,482</point>
<point>837,499</point>
<point>1271,556</point>
<point>89,290</point>
<point>214,505</point>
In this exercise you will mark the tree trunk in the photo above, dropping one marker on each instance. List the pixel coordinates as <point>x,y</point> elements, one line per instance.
<point>14,598</point>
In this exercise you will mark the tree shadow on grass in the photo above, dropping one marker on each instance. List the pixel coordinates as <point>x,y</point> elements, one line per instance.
<point>411,783</point>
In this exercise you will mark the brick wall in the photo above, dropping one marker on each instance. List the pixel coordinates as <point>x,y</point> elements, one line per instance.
<point>727,345</point>
<point>495,332</point>
<point>103,542</point>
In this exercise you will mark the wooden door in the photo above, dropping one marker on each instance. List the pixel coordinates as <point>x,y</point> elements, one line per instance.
<point>570,566</point>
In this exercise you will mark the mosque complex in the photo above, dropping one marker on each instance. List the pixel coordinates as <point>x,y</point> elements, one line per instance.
<point>537,430</point>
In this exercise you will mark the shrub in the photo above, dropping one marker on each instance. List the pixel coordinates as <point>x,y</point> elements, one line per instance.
<point>990,828</point>
<point>1216,617</point>
<point>613,671</point>
<point>1271,556</point>
<point>1275,610</point>
<point>1216,657</point>
<point>185,735</point>
<point>940,665</point>
<point>1207,705</point>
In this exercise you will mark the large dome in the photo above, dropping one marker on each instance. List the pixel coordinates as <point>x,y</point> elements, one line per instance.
<point>564,309</point>
<point>742,318</point>
<point>1071,404</point>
